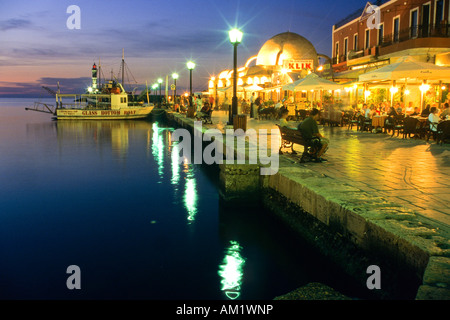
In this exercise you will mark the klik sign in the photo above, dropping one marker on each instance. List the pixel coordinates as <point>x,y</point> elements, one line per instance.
<point>297,65</point>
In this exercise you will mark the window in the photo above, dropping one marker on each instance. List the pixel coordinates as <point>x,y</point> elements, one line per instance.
<point>396,29</point>
<point>355,42</point>
<point>413,23</point>
<point>439,17</point>
<point>345,48</point>
<point>381,34</point>
<point>367,39</point>
<point>426,20</point>
<point>336,52</point>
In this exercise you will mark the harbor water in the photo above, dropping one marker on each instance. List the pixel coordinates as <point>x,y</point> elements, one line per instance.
<point>112,199</point>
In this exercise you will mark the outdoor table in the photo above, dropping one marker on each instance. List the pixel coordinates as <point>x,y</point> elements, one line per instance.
<point>378,121</point>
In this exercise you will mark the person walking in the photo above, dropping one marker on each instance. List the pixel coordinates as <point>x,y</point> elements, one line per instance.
<point>252,102</point>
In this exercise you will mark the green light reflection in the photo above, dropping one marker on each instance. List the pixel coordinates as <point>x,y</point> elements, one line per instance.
<point>158,148</point>
<point>231,271</point>
<point>190,197</point>
<point>175,166</point>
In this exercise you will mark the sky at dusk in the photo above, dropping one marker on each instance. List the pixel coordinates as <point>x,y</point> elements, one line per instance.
<point>158,37</point>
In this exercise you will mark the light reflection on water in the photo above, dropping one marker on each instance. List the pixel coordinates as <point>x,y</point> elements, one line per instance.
<point>232,271</point>
<point>115,198</point>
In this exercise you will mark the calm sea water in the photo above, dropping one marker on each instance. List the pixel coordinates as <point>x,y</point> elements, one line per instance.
<point>110,198</point>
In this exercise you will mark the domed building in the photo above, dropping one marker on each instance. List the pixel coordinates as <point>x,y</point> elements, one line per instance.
<point>283,59</point>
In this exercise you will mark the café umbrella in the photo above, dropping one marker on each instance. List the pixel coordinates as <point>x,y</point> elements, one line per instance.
<point>313,82</point>
<point>407,70</point>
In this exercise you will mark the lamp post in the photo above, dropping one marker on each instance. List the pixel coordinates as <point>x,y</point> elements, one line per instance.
<point>160,81</point>
<point>175,77</point>
<point>235,38</point>
<point>190,66</point>
<point>155,89</point>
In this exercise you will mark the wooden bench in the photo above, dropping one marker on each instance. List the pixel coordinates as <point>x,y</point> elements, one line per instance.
<point>289,137</point>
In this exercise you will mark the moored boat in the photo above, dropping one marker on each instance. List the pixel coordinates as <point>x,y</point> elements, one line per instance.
<point>106,102</point>
<point>111,102</point>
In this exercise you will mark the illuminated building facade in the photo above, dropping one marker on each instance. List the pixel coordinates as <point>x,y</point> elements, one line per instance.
<point>393,29</point>
<point>284,58</point>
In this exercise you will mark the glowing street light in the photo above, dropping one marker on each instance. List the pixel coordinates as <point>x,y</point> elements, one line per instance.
<point>235,38</point>
<point>160,81</point>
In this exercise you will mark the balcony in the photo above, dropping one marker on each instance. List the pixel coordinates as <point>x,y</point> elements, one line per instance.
<point>422,31</point>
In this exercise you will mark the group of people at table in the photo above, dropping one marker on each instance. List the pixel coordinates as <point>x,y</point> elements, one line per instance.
<point>433,114</point>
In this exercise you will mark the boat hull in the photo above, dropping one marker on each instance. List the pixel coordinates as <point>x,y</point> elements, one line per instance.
<point>104,114</point>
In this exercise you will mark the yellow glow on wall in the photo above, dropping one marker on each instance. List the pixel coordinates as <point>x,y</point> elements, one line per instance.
<point>220,83</point>
<point>249,81</point>
<point>240,82</point>
<point>256,80</point>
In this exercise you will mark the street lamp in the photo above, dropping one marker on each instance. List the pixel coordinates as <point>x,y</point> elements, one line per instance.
<point>160,81</point>
<point>155,91</point>
<point>235,38</point>
<point>190,66</point>
<point>175,77</point>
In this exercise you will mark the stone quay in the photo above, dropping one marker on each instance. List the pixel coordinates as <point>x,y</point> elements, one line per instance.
<point>378,200</point>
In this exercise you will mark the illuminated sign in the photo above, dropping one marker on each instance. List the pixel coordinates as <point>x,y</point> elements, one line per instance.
<point>296,65</point>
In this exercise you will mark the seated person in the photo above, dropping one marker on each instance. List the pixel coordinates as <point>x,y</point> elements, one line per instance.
<point>426,111</point>
<point>434,120</point>
<point>416,112</point>
<point>310,131</point>
<point>446,111</point>
<point>283,122</point>
<point>203,112</point>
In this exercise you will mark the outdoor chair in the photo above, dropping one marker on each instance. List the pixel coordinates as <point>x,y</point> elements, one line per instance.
<point>389,124</point>
<point>398,125</point>
<point>443,132</point>
<point>353,121</point>
<point>410,126</point>
<point>364,124</point>
<point>429,130</point>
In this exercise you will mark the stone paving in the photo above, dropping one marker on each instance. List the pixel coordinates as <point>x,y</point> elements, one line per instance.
<point>410,172</point>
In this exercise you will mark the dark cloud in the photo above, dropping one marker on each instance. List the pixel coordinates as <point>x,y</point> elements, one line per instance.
<point>14,24</point>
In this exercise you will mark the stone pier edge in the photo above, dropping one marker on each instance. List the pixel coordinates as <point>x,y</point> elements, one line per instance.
<point>365,219</point>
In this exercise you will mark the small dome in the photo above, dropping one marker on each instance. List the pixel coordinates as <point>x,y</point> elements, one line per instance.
<point>286,46</point>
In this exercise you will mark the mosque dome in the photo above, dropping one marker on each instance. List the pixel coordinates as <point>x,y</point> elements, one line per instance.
<point>286,46</point>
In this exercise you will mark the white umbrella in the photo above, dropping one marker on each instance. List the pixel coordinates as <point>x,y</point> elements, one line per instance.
<point>313,82</point>
<point>253,87</point>
<point>291,86</point>
<point>407,69</point>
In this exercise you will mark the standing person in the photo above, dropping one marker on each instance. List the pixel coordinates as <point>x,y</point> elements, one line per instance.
<point>211,102</point>
<point>258,106</point>
<point>252,102</point>
<point>198,103</point>
<point>225,103</point>
<point>310,131</point>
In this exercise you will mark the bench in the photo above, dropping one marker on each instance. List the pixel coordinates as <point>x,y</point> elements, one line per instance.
<point>206,117</point>
<point>289,137</point>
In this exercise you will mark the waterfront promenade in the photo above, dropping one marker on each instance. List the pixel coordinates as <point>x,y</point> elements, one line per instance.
<point>381,189</point>
<point>410,172</point>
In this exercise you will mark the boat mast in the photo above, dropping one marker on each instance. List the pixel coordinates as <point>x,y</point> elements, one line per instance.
<point>123,66</point>
<point>99,72</point>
